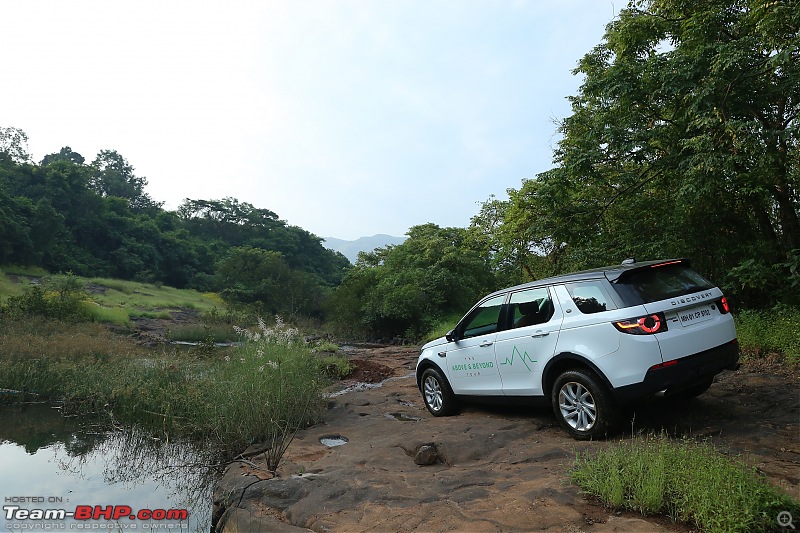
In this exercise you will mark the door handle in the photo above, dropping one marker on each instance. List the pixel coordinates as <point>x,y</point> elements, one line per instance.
<point>485,344</point>
<point>540,334</point>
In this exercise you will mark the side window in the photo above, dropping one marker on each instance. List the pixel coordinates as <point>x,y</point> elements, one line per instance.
<point>531,307</point>
<point>483,318</point>
<point>590,297</point>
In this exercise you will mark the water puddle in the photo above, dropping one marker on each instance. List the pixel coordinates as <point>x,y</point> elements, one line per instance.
<point>216,344</point>
<point>358,387</point>
<point>403,417</point>
<point>333,440</point>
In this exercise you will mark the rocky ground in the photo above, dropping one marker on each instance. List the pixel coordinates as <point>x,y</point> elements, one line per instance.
<point>499,468</point>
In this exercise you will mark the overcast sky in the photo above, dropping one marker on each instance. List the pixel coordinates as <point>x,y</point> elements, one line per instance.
<point>346,118</point>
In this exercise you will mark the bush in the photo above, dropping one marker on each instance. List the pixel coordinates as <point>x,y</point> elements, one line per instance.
<point>688,481</point>
<point>60,297</point>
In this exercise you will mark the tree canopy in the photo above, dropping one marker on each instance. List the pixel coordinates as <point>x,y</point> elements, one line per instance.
<point>404,290</point>
<point>97,220</point>
<point>682,142</point>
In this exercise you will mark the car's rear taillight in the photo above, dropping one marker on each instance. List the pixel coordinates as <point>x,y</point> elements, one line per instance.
<point>724,306</point>
<point>643,325</point>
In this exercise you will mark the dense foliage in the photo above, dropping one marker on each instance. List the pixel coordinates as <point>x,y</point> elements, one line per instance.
<point>682,142</point>
<point>404,290</point>
<point>97,220</point>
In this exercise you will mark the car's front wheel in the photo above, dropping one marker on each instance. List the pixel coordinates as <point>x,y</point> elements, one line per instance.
<point>582,404</point>
<point>436,392</point>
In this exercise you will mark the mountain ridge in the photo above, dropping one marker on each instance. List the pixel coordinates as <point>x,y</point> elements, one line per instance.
<point>350,249</point>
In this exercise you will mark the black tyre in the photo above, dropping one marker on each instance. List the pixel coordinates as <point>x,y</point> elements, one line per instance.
<point>583,405</point>
<point>436,393</point>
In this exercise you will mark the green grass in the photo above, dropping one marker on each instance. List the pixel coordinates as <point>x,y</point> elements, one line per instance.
<point>117,301</point>
<point>441,327</point>
<point>687,481</point>
<point>149,297</point>
<point>770,331</point>
<point>106,315</point>
<point>12,283</point>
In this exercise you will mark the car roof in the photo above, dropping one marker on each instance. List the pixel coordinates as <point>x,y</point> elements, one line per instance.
<point>611,272</point>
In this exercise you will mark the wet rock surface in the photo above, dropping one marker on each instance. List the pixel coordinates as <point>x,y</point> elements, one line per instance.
<point>495,468</point>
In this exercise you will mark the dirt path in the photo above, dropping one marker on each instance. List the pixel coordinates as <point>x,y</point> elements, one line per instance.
<point>502,468</point>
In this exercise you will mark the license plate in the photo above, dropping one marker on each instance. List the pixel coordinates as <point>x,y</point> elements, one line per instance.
<point>695,315</point>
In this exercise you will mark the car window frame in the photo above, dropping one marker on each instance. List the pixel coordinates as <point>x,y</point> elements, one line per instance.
<point>472,314</point>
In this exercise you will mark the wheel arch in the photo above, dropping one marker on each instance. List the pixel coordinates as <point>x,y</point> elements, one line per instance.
<point>569,361</point>
<point>423,366</point>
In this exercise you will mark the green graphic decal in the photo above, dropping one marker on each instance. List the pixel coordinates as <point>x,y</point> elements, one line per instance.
<point>524,357</point>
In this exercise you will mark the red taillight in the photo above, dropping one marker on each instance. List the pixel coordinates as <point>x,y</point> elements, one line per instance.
<point>664,365</point>
<point>724,306</point>
<point>643,325</point>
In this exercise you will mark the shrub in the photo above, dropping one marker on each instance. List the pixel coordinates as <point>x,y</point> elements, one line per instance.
<point>60,297</point>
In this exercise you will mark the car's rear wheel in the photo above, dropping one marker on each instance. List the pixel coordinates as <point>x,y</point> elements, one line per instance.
<point>436,392</point>
<point>582,404</point>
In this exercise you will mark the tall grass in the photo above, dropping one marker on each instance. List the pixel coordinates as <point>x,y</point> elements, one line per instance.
<point>263,391</point>
<point>688,481</point>
<point>770,331</point>
<point>213,332</point>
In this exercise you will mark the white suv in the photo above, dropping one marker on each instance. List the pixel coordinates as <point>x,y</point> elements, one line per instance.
<point>588,342</point>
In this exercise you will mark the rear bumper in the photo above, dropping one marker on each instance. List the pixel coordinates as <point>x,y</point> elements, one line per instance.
<point>685,372</point>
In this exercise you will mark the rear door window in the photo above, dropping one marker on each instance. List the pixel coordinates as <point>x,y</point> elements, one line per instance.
<point>660,283</point>
<point>531,307</point>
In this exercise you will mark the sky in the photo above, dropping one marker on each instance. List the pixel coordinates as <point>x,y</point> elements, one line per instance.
<point>347,118</point>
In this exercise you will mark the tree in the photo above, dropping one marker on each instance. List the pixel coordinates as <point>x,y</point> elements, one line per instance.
<point>682,141</point>
<point>14,145</point>
<point>405,289</point>
<point>262,280</point>
<point>65,154</point>
<point>113,176</point>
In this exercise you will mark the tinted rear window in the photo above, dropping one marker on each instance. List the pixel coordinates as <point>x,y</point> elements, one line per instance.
<point>660,283</point>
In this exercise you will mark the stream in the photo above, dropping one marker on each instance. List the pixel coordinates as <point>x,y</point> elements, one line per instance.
<point>60,473</point>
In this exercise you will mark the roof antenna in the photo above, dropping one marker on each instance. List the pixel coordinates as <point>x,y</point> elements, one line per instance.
<point>629,261</point>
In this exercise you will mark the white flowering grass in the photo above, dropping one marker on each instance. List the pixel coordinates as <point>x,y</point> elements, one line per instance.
<point>277,383</point>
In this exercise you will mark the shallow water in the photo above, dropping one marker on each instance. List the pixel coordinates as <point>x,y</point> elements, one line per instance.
<point>62,465</point>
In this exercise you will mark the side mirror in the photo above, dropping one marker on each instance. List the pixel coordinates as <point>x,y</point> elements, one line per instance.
<point>451,336</point>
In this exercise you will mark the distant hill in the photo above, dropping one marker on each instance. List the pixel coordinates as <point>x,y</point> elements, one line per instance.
<point>350,249</point>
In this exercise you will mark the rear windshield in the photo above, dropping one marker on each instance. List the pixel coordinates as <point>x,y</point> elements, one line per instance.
<point>660,283</point>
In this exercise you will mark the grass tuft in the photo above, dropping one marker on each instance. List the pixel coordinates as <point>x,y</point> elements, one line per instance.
<point>687,481</point>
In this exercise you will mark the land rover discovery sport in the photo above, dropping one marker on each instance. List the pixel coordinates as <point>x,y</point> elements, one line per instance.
<point>587,343</point>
